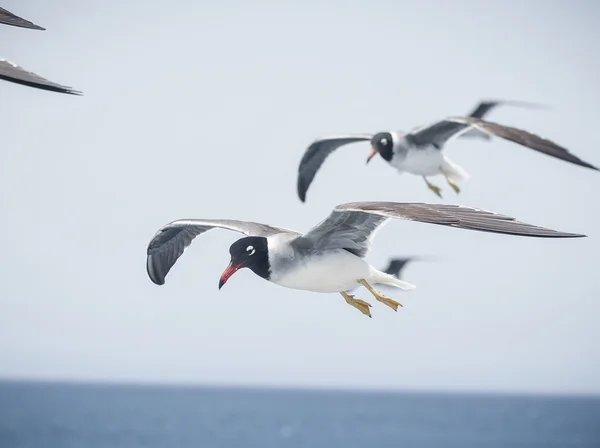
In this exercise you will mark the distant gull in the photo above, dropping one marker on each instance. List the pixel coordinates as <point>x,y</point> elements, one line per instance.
<point>329,258</point>
<point>14,73</point>
<point>420,151</point>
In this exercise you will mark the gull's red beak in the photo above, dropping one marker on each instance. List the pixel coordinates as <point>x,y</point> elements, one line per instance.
<point>371,154</point>
<point>229,271</point>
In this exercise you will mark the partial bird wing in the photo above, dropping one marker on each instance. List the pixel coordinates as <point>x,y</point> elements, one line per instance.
<point>523,138</point>
<point>172,240</point>
<point>352,226</point>
<point>13,73</point>
<point>438,133</point>
<point>316,154</point>
<point>396,266</point>
<point>484,107</point>
<point>8,18</point>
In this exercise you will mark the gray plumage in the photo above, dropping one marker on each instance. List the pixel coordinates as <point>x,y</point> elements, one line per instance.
<point>349,227</point>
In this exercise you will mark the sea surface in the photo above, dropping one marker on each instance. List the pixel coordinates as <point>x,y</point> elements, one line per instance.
<point>57,415</point>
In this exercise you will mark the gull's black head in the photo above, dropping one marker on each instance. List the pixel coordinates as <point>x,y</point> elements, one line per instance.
<point>250,252</point>
<point>383,144</point>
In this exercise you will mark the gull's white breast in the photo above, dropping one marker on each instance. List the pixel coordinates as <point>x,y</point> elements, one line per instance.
<point>332,271</point>
<point>423,161</point>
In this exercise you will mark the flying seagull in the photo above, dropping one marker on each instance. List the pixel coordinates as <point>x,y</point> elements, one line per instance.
<point>420,150</point>
<point>329,258</point>
<point>14,73</point>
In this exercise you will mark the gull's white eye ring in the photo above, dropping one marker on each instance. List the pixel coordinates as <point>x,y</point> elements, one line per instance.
<point>251,250</point>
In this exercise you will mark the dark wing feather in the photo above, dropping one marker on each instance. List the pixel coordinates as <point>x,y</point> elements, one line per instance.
<point>523,138</point>
<point>8,18</point>
<point>172,240</point>
<point>484,107</point>
<point>396,266</point>
<point>437,133</point>
<point>13,73</point>
<point>316,154</point>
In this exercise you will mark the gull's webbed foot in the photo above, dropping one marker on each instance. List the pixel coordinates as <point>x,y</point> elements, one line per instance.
<point>393,304</point>
<point>359,304</point>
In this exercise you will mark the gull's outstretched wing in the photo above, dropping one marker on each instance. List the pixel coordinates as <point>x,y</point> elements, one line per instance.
<point>316,154</point>
<point>352,226</point>
<point>444,130</point>
<point>8,18</point>
<point>170,241</point>
<point>13,73</point>
<point>523,138</point>
<point>484,107</point>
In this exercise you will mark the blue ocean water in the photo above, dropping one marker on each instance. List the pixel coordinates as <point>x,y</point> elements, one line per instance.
<point>54,415</point>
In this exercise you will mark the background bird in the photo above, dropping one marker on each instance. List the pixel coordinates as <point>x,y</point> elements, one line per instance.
<point>420,150</point>
<point>329,258</point>
<point>13,73</point>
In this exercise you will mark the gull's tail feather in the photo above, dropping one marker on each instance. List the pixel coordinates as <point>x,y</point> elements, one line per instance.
<point>382,278</point>
<point>454,172</point>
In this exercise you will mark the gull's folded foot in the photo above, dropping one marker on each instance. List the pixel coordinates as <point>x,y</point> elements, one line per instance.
<point>359,304</point>
<point>393,304</point>
<point>437,190</point>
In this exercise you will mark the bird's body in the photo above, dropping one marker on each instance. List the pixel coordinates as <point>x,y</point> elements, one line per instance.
<point>332,271</point>
<point>425,160</point>
<point>329,258</point>
<point>421,151</point>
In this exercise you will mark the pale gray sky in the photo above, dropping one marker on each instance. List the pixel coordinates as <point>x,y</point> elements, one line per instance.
<point>203,109</point>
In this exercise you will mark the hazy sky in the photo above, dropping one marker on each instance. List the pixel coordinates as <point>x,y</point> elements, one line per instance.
<point>203,110</point>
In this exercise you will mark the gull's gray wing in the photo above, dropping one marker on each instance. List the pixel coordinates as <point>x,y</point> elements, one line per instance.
<point>172,240</point>
<point>437,134</point>
<point>352,226</point>
<point>316,154</point>
<point>8,18</point>
<point>523,138</point>
<point>13,73</point>
<point>484,107</point>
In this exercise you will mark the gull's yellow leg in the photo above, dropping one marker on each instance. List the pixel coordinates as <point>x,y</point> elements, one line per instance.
<point>379,296</point>
<point>435,189</point>
<point>455,187</point>
<point>360,305</point>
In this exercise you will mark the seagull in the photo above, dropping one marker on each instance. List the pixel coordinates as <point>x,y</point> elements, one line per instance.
<point>329,258</point>
<point>420,151</point>
<point>14,73</point>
